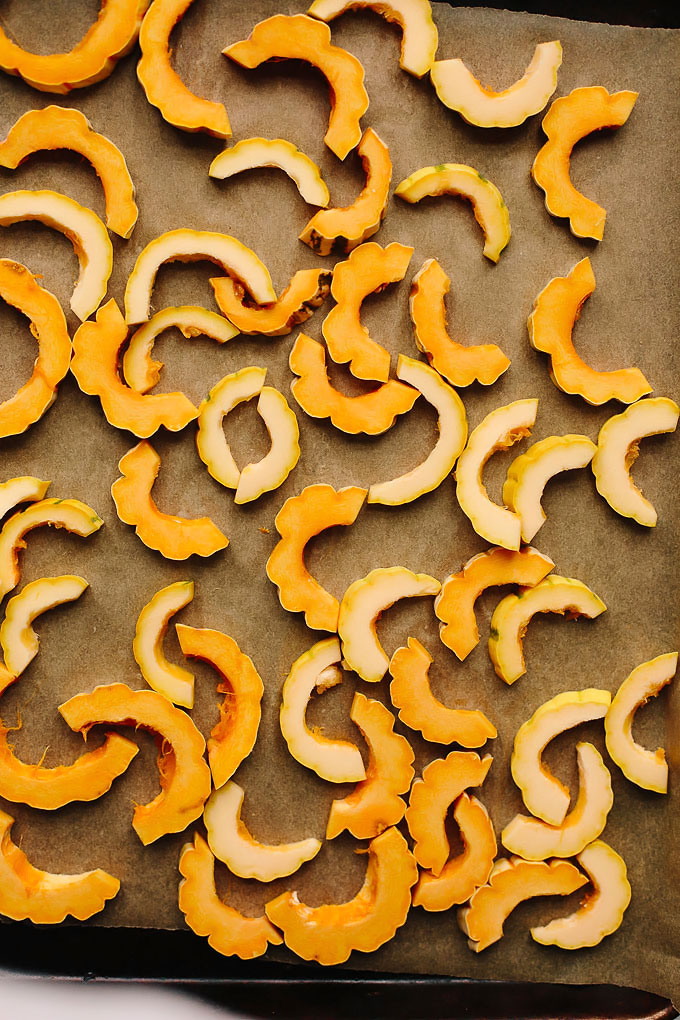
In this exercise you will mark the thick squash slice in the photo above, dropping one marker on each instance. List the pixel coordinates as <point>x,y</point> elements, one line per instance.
<point>250,153</point>
<point>169,679</point>
<point>23,489</point>
<point>307,290</point>
<point>19,641</point>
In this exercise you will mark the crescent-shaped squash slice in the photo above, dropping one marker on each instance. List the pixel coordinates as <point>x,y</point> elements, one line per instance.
<point>531,471</point>
<point>227,931</point>
<point>297,37</point>
<point>498,431</point>
<point>22,489</point>
<point>175,538</point>
<point>140,370</point>
<point>453,430</point>
<point>184,774</point>
<point>19,641</point>
<point>544,795</point>
<point>362,605</point>
<point>443,781</point>
<point>419,32</point>
<point>315,509</point>
<point>488,206</point>
<point>83,228</point>
<point>44,898</point>
<point>112,35</point>
<point>477,104</point>
<point>603,909</point>
<point>459,364</point>
<point>618,446</point>
<point>550,325</point>
<point>250,153</point>
<point>375,804</point>
<point>648,769</point>
<point>96,356</point>
<point>307,290</point>
<point>329,933</point>
<point>162,86</point>
<point>535,840</point>
<point>271,471</point>
<point>70,514</point>
<point>342,229</point>
<point>233,737</point>
<point>510,883</point>
<point>169,679</point>
<point>554,594</point>
<point>410,692</point>
<point>211,442</point>
<point>19,288</point>
<point>55,127</point>
<point>455,605</point>
<point>568,120</point>
<point>462,874</point>
<point>232,843</point>
<point>337,761</point>
<point>368,270</point>
<point>185,245</point>
<point>370,413</point>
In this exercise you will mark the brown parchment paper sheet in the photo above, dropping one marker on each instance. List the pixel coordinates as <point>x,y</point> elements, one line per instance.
<point>631,319</point>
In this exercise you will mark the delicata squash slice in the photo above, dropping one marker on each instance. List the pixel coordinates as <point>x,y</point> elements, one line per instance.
<point>184,774</point>
<point>330,933</point>
<point>169,679</point>
<point>19,641</point>
<point>568,120</point>
<point>307,290</point>
<point>297,37</point>
<point>22,489</point>
<point>250,153</point>
<point>337,761</point>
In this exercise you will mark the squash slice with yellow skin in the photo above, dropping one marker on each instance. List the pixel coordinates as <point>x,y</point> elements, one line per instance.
<point>232,843</point>
<point>510,883</point>
<point>271,471</point>
<point>411,694</point>
<point>233,737</point>
<point>330,933</point>
<point>315,509</point>
<point>459,364</point>
<point>568,120</point>
<point>462,874</point>
<point>175,538</point>
<point>343,228</point>
<point>184,774</point>
<point>370,413</point>
<point>169,679</point>
<point>307,290</point>
<point>55,127</point>
<point>368,270</point>
<point>337,761</point>
<point>442,783</point>
<point>20,289</point>
<point>163,87</point>
<point>297,37</point>
<point>455,605</point>
<point>28,894</point>
<point>250,153</point>
<point>550,325</point>
<point>93,58</point>
<point>22,489</point>
<point>227,931</point>
<point>375,803</point>
<point>19,641</point>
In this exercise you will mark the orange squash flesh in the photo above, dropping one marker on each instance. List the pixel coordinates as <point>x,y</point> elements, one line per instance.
<point>298,37</point>
<point>184,774</point>
<point>20,289</point>
<point>315,509</point>
<point>233,738</point>
<point>419,709</point>
<point>175,538</point>
<point>375,804</point>
<point>368,270</point>
<point>343,228</point>
<point>329,933</point>
<point>455,605</point>
<point>162,85</point>
<point>307,290</point>
<point>462,874</point>
<point>461,365</point>
<point>371,413</point>
<point>227,931</point>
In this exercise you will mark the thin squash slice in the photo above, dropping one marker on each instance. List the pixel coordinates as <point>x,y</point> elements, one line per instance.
<point>20,643</point>
<point>22,489</point>
<point>307,290</point>
<point>169,679</point>
<point>271,471</point>
<point>250,153</point>
<point>375,804</point>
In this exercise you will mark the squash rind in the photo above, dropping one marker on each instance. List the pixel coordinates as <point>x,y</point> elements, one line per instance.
<point>307,290</point>
<point>19,641</point>
<point>167,678</point>
<point>250,153</point>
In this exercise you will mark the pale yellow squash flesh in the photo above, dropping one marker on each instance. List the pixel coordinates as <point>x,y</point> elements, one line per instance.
<point>250,153</point>
<point>19,641</point>
<point>175,682</point>
<point>211,443</point>
<point>22,489</point>
<point>271,472</point>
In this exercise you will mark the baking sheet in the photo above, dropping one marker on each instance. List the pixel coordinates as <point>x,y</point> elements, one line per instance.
<point>631,319</point>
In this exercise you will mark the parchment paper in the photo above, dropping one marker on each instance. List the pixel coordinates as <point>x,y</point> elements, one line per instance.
<point>631,319</point>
